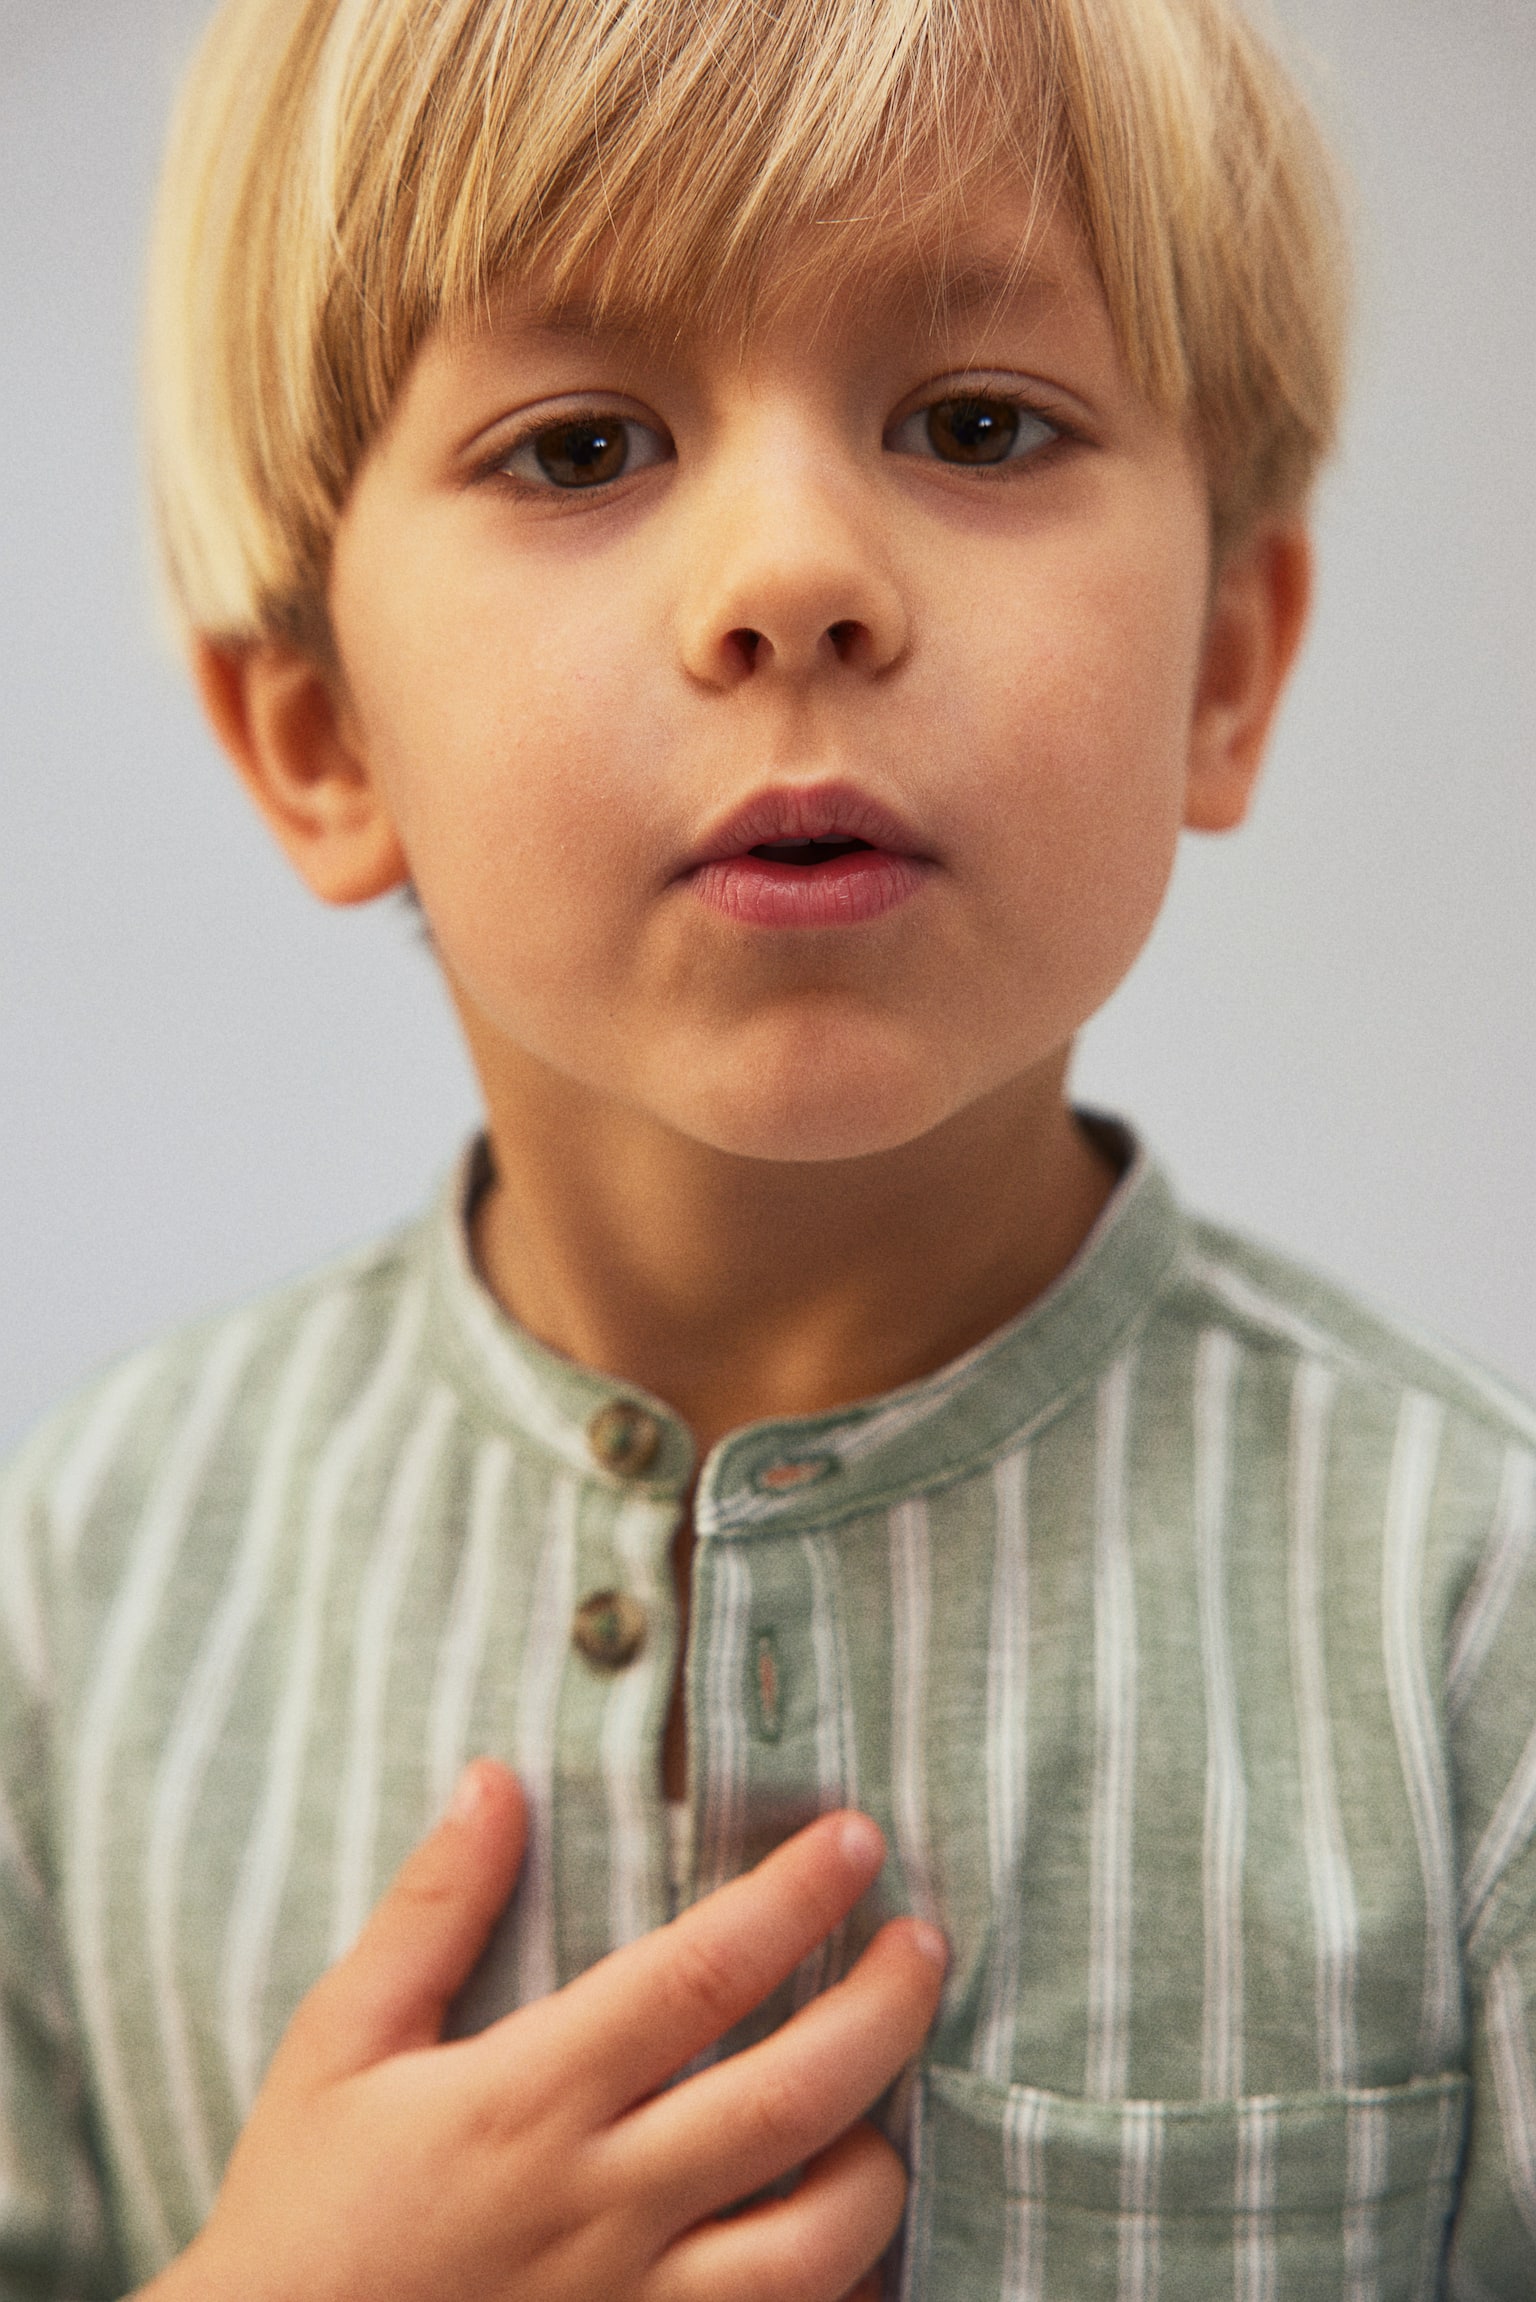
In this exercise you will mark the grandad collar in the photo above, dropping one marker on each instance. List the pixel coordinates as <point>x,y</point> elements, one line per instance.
<point>799,1471</point>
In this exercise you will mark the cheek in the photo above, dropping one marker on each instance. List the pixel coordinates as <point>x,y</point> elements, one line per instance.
<point>1086,741</point>
<point>498,735</point>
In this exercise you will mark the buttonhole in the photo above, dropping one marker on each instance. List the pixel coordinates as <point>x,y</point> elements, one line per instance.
<point>768,1687</point>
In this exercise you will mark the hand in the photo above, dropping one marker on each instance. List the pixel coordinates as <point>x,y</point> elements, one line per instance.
<point>540,2161</point>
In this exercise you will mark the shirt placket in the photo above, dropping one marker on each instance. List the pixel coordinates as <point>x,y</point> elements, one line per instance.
<point>766,1718</point>
<point>608,1841</point>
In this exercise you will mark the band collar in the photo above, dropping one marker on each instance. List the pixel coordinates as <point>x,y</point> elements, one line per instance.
<point>809,1470</point>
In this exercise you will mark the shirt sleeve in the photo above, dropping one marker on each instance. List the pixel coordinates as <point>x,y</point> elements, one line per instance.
<point>1493,2249</point>
<point>55,2236</point>
<point>1492,1695</point>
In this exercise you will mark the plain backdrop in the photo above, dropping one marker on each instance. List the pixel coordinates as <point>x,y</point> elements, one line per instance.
<point>207,1082</point>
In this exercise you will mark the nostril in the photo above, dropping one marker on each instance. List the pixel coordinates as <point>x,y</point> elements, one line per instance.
<point>746,643</point>
<point>844,637</point>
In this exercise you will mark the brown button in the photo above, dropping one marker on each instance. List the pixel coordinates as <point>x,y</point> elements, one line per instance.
<point>624,1438</point>
<point>610,1629</point>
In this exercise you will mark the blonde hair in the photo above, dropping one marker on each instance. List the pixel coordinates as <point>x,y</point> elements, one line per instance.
<point>344,175</point>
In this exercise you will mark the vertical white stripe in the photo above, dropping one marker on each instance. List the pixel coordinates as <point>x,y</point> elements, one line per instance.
<point>200,1718</point>
<point>718,1760</point>
<point>1226,1796</point>
<point>918,2229</point>
<point>264,1866</point>
<point>1114,1780</point>
<point>1508,1829</point>
<point>21,1613</point>
<point>1335,1915</point>
<point>1256,2263</point>
<point>1007,1764</point>
<point>1514,2083</point>
<point>1141,2166</point>
<point>911,1606</point>
<point>373,1646</point>
<point>546,1650</point>
<point>837,1758</point>
<point>70,1497</point>
<point>848,1717</point>
<point>723,1756</point>
<point>78,1481</point>
<point>640,1533</point>
<point>1365,2184</point>
<point>462,1652</point>
<point>1409,1493</point>
<point>1024,2128</point>
<point>1505,1560</point>
<point>130,1625</point>
<point>1439,2197</point>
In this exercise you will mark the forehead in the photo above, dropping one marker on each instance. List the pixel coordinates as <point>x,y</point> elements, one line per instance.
<point>1013,255</point>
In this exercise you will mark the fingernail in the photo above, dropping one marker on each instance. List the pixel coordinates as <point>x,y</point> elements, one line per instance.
<point>931,1944</point>
<point>861,1842</point>
<point>468,1794</point>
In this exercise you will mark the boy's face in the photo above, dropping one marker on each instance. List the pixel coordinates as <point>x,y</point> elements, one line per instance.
<point>593,593</point>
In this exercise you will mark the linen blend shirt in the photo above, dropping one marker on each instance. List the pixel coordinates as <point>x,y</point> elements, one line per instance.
<point>1181,1637</point>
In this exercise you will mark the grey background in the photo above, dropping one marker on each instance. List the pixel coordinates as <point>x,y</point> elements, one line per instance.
<point>208,1082</point>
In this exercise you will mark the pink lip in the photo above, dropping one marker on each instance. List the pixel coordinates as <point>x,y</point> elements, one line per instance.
<point>844,891</point>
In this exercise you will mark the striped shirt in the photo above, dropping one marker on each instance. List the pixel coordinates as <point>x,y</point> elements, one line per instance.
<point>1181,1636</point>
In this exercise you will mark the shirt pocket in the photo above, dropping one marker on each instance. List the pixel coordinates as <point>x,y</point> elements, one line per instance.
<point>1024,2196</point>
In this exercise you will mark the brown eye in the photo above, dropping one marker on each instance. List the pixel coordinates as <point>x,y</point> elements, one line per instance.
<point>972,431</point>
<point>588,449</point>
<point>583,454</point>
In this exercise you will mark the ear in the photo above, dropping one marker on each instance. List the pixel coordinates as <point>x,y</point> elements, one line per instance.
<point>279,717</point>
<point>1258,614</point>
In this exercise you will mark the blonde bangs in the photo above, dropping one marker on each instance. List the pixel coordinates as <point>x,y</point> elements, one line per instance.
<point>346,175</point>
<point>649,158</point>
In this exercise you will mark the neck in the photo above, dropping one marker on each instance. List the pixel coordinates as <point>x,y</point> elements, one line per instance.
<point>738,1289</point>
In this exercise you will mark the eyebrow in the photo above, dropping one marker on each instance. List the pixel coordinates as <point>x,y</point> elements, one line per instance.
<point>957,291</point>
<point>576,316</point>
<point>948,290</point>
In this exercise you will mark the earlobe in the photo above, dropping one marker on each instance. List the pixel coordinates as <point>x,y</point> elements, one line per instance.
<point>277,715</point>
<point>1257,620</point>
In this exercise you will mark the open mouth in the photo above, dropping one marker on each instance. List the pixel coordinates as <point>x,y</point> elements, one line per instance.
<point>818,855</point>
<point>805,854</point>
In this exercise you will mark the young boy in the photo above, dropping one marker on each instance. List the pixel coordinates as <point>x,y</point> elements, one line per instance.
<point>769,522</point>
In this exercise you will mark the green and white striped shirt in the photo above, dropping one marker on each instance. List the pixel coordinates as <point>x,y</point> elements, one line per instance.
<point>1181,1636</point>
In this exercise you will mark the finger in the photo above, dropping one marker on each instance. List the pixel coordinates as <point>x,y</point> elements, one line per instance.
<point>630,2023</point>
<point>392,1990</point>
<point>732,2128</point>
<point>810,2247</point>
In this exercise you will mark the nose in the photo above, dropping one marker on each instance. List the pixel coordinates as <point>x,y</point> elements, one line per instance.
<point>788,576</point>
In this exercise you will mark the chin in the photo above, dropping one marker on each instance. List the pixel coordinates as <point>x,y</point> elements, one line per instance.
<point>851,1114</point>
<point>807,1143</point>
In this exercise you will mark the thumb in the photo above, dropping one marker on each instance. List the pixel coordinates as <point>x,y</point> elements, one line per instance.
<point>392,1990</point>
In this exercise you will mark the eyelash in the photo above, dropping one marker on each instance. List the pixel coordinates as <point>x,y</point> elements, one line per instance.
<point>1028,411</point>
<point>500,464</point>
<point>499,467</point>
